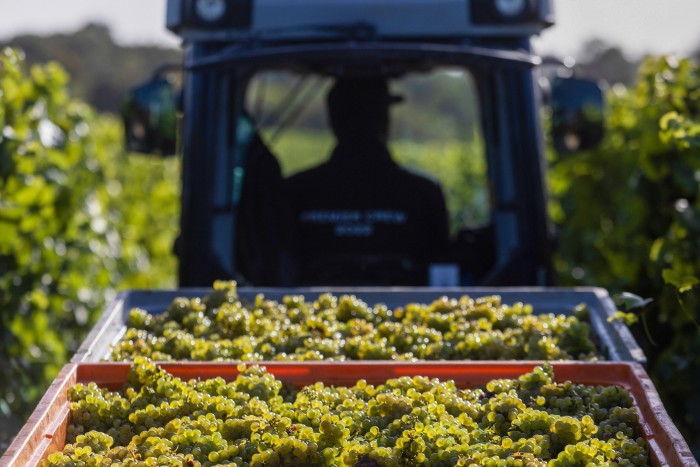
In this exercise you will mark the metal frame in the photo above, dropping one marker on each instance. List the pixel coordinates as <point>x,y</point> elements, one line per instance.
<point>520,220</point>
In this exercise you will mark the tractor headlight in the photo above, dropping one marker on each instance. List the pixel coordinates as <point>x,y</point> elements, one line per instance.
<point>202,18</point>
<point>210,10</point>
<point>510,8</point>
<point>513,13</point>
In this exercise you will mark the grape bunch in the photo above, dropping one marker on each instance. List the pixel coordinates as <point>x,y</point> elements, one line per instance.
<point>220,327</point>
<point>257,420</point>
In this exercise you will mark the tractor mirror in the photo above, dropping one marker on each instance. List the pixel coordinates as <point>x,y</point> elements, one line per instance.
<point>149,113</point>
<point>577,114</point>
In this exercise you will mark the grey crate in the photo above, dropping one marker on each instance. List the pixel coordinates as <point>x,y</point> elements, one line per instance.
<point>615,340</point>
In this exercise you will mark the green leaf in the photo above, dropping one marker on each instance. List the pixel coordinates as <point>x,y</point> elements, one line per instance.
<point>630,301</point>
<point>671,120</point>
<point>682,282</point>
<point>656,248</point>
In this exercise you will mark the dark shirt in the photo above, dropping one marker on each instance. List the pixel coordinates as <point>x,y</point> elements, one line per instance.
<point>360,214</point>
<point>259,240</point>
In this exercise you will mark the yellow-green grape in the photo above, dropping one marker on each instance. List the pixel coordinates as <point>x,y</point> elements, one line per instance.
<point>159,419</point>
<point>221,327</point>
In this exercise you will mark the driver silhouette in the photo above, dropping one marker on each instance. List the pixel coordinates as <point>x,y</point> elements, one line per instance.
<point>360,218</point>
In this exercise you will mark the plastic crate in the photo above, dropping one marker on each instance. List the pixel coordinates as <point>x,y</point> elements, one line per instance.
<point>615,341</point>
<point>45,431</point>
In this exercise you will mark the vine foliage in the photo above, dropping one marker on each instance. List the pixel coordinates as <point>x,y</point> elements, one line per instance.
<point>76,224</point>
<point>628,216</point>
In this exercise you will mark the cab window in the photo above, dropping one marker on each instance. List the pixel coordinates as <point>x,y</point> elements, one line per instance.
<point>435,130</point>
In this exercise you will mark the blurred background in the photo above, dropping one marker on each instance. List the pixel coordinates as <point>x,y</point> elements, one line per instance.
<point>627,213</point>
<point>106,47</point>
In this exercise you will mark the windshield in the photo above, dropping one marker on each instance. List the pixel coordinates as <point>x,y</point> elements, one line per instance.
<point>368,164</point>
<point>435,130</point>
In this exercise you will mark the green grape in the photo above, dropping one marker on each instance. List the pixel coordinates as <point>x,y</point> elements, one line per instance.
<point>220,327</point>
<point>159,419</point>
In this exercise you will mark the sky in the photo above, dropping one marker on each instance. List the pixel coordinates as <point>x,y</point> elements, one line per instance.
<point>636,26</point>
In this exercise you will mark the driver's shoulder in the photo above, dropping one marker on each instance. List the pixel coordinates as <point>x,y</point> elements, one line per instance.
<point>303,178</point>
<point>418,177</point>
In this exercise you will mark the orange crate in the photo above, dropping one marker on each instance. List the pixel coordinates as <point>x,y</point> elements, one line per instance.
<point>45,431</point>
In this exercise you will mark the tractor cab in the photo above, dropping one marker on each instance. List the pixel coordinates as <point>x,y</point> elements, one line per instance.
<point>252,100</point>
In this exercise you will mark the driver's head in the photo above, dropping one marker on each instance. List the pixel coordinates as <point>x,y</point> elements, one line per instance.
<point>358,108</point>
